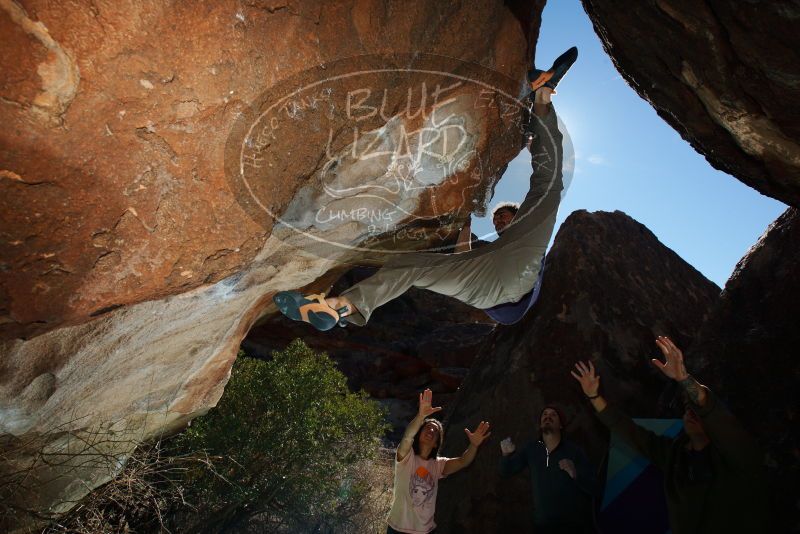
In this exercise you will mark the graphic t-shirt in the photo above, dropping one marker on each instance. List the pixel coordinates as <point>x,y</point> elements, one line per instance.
<point>416,482</point>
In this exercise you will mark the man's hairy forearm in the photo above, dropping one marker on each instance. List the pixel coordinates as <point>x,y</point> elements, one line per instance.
<point>464,241</point>
<point>695,390</point>
<point>599,403</point>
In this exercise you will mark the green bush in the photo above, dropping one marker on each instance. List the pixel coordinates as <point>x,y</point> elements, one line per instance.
<point>288,449</point>
<point>289,437</point>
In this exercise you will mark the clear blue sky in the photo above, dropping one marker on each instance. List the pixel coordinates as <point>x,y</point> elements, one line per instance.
<point>628,159</point>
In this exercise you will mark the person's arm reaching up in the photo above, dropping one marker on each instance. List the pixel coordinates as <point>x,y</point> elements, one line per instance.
<point>722,428</point>
<point>464,242</point>
<point>589,380</point>
<point>425,409</point>
<point>475,440</point>
<point>653,447</point>
<point>673,368</point>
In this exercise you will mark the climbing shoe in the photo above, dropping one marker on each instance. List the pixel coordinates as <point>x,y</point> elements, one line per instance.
<point>550,78</point>
<point>312,309</point>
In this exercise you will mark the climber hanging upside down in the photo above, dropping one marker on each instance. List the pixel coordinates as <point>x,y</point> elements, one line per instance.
<point>502,277</point>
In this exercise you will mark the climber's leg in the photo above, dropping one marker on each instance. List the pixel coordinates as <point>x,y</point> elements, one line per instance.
<point>470,279</point>
<point>500,272</point>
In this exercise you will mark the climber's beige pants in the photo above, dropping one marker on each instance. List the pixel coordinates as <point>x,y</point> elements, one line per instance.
<point>499,272</point>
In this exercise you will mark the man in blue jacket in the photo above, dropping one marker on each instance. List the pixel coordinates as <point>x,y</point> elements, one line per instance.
<point>563,482</point>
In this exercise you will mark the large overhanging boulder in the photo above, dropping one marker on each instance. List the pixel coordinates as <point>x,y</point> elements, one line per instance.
<point>724,74</point>
<point>149,148</point>
<point>116,119</point>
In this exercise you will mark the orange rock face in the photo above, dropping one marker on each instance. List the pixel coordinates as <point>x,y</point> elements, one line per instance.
<point>131,262</point>
<point>115,121</point>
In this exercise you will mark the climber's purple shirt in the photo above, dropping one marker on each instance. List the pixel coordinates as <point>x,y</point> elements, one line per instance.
<point>513,312</point>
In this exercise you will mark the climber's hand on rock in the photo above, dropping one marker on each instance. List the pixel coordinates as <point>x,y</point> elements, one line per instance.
<point>464,240</point>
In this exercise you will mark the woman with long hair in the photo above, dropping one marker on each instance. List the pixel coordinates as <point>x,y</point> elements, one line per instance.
<point>418,468</point>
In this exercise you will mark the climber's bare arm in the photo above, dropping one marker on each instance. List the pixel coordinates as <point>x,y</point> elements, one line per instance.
<point>464,242</point>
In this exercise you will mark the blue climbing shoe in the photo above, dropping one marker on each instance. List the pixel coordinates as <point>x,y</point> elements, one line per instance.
<point>310,309</point>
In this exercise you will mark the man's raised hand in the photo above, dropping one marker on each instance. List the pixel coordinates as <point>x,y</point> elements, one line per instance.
<point>425,400</point>
<point>587,377</point>
<point>480,434</point>
<point>673,367</point>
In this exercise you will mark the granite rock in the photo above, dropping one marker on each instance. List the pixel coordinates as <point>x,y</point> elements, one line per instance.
<point>610,288</point>
<point>747,351</point>
<point>723,74</point>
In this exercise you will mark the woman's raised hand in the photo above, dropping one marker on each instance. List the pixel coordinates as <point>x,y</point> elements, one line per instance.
<point>480,434</point>
<point>425,400</point>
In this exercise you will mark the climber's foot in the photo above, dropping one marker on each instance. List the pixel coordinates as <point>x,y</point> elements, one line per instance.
<point>312,309</point>
<point>550,78</point>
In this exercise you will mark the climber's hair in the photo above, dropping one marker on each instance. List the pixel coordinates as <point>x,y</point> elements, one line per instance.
<point>513,207</point>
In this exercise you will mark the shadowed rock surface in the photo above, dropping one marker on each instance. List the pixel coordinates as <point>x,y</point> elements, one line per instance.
<point>725,75</point>
<point>609,289</point>
<point>748,351</point>
<point>418,340</point>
